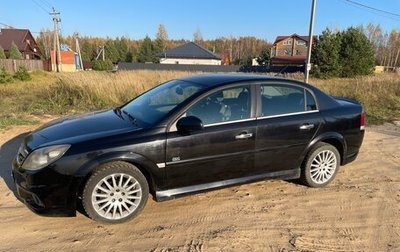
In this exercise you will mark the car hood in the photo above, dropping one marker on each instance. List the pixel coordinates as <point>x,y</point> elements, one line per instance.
<point>75,128</point>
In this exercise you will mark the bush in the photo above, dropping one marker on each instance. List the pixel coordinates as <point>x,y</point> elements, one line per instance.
<point>5,76</point>
<point>101,65</point>
<point>22,74</point>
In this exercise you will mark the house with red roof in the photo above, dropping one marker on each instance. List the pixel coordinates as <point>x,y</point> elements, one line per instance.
<point>23,39</point>
<point>290,50</point>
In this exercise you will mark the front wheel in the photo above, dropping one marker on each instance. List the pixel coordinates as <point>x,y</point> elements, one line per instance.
<point>321,165</point>
<point>115,193</point>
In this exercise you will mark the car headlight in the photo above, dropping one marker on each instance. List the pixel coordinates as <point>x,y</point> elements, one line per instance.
<point>44,156</point>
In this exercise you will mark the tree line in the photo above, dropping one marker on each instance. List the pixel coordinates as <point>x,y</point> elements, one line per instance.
<point>386,45</point>
<point>351,52</point>
<point>235,50</point>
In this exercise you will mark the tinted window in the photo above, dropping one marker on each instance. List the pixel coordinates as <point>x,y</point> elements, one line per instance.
<point>153,105</point>
<point>223,106</point>
<point>311,105</point>
<point>281,99</point>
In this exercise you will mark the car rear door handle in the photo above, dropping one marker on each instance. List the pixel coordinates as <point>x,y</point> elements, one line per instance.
<point>306,126</point>
<point>244,136</point>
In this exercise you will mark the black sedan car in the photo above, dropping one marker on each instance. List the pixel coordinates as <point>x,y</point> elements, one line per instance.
<point>185,136</point>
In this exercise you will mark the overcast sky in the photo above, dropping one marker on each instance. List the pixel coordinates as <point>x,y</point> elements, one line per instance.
<point>264,19</point>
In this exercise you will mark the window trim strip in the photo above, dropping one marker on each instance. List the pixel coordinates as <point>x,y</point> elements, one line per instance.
<point>228,122</point>
<point>261,117</point>
<point>288,114</point>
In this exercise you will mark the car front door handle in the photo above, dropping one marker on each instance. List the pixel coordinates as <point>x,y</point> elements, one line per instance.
<point>306,126</point>
<point>243,136</point>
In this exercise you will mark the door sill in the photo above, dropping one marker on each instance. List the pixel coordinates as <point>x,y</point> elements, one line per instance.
<point>181,191</point>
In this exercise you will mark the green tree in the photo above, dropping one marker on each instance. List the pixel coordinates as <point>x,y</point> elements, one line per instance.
<point>123,50</point>
<point>146,51</point>
<point>2,54</point>
<point>264,57</point>
<point>87,51</point>
<point>246,61</point>
<point>356,53</point>
<point>325,55</point>
<point>111,51</point>
<point>14,52</point>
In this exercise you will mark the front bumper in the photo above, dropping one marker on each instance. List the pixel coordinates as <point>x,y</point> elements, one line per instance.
<point>45,191</point>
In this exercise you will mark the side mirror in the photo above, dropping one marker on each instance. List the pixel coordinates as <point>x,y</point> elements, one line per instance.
<point>189,124</point>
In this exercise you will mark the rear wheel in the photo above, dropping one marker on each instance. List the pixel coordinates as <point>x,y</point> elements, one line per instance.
<point>115,193</point>
<point>321,165</point>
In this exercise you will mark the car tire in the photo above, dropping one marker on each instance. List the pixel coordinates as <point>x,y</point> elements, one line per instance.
<point>320,165</point>
<point>116,192</point>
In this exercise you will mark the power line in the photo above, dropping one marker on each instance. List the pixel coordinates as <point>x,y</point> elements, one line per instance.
<point>373,8</point>
<point>40,6</point>
<point>46,3</point>
<point>6,25</point>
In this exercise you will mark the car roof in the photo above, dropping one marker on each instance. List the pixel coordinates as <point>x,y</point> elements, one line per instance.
<point>221,79</point>
<point>216,80</point>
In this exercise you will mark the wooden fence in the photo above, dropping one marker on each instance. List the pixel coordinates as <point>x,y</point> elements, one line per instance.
<point>12,65</point>
<point>210,68</point>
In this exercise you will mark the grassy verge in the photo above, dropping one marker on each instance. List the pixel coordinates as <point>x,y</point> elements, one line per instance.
<point>65,93</point>
<point>379,94</point>
<point>7,121</point>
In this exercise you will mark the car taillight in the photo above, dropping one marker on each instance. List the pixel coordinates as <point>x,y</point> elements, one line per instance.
<point>362,121</point>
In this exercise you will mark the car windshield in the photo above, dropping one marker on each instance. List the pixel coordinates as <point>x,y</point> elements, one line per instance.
<point>156,103</point>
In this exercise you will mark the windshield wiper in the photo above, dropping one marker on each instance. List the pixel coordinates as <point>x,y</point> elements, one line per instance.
<point>117,111</point>
<point>131,118</point>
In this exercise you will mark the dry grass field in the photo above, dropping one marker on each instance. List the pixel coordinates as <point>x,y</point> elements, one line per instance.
<point>58,94</point>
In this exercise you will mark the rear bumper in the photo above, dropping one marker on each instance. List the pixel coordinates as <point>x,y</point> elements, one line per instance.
<point>354,143</point>
<point>45,191</point>
<point>350,158</point>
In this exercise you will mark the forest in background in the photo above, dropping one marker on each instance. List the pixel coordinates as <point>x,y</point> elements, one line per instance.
<point>237,50</point>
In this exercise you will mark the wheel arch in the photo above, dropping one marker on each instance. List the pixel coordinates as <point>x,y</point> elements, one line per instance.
<point>147,167</point>
<point>333,138</point>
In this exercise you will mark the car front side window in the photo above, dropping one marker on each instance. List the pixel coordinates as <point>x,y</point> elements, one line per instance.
<point>225,105</point>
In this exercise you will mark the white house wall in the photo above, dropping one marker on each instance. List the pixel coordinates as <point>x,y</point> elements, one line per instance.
<point>190,61</point>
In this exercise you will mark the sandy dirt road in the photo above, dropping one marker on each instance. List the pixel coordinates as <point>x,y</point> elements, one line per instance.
<point>359,211</point>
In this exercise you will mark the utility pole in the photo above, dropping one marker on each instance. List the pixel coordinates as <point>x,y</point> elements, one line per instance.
<point>56,41</point>
<point>102,53</point>
<point>310,41</point>
<point>78,49</point>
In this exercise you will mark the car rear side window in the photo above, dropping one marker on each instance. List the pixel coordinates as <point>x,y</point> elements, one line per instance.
<point>279,99</point>
<point>226,105</point>
<point>310,101</point>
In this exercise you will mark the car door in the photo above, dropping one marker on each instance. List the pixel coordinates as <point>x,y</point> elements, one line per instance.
<point>288,118</point>
<point>224,149</point>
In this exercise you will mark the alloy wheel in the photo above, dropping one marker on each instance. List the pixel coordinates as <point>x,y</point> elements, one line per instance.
<point>116,196</point>
<point>323,166</point>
